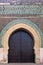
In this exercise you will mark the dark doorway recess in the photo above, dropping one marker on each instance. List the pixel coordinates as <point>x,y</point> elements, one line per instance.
<point>21,47</point>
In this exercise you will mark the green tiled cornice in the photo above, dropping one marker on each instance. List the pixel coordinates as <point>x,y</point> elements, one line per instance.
<point>21,9</point>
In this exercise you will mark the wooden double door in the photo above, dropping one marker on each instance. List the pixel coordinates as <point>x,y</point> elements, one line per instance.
<point>21,44</point>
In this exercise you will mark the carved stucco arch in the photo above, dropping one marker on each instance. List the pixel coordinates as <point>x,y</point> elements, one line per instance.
<point>28,27</point>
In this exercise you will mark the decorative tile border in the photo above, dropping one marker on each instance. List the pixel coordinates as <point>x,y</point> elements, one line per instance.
<point>21,9</point>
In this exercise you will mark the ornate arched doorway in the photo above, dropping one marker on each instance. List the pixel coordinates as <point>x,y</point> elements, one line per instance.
<point>24,24</point>
<point>31,30</point>
<point>21,47</point>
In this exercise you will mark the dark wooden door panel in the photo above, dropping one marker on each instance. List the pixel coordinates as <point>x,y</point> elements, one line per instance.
<point>21,46</point>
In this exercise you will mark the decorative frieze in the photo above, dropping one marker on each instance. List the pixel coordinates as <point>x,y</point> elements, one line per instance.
<point>21,9</point>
